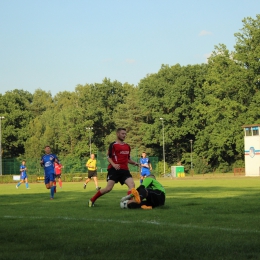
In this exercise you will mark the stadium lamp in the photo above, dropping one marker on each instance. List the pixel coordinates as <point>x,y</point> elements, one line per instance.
<point>191,154</point>
<point>89,128</point>
<point>1,117</point>
<point>163,146</point>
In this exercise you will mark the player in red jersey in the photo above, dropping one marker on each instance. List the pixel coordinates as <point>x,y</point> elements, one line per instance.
<point>117,171</point>
<point>58,168</point>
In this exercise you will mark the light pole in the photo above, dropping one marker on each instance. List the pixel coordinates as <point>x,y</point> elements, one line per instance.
<point>1,117</point>
<point>163,146</point>
<point>191,154</point>
<point>89,128</point>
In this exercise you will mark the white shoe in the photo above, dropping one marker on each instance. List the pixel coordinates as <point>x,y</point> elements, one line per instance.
<point>16,187</point>
<point>126,197</point>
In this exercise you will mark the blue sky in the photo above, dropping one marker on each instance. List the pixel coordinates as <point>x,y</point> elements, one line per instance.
<point>54,45</point>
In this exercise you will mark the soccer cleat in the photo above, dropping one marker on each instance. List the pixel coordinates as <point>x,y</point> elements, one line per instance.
<point>16,187</point>
<point>136,196</point>
<point>90,203</point>
<point>146,207</point>
<point>98,188</point>
<point>51,198</point>
<point>84,186</point>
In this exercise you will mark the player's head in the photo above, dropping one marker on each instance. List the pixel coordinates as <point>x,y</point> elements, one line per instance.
<point>92,156</point>
<point>143,154</point>
<point>151,176</point>
<point>47,149</point>
<point>121,134</point>
<point>23,162</point>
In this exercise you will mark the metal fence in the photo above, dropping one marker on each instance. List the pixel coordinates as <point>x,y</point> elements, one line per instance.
<point>71,165</point>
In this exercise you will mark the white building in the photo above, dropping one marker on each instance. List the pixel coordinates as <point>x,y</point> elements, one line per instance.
<point>252,149</point>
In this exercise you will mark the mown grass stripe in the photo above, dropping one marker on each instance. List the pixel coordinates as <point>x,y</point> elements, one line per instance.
<point>236,230</point>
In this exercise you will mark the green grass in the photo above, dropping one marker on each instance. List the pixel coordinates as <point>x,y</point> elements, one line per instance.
<point>204,218</point>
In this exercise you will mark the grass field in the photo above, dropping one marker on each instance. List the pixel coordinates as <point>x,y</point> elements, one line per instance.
<point>204,218</point>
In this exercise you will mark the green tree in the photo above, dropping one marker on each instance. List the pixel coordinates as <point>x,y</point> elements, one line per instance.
<point>15,106</point>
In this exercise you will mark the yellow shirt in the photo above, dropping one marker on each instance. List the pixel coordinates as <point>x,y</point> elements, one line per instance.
<point>92,164</point>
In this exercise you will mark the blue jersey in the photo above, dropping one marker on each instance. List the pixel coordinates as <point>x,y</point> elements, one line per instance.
<point>48,163</point>
<point>23,172</point>
<point>145,170</point>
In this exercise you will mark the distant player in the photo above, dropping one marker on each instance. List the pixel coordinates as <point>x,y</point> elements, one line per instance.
<point>23,175</point>
<point>92,171</point>
<point>47,162</point>
<point>146,167</point>
<point>58,168</point>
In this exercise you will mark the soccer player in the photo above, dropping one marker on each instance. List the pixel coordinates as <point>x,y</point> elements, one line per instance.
<point>146,167</point>
<point>58,168</point>
<point>151,192</point>
<point>118,158</point>
<point>92,171</point>
<point>23,175</point>
<point>47,162</point>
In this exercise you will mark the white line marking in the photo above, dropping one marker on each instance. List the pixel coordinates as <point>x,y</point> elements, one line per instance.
<point>152,222</point>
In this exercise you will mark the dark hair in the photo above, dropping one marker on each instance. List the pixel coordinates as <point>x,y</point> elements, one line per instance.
<point>120,129</point>
<point>47,146</point>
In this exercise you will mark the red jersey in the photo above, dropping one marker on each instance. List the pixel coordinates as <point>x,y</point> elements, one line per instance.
<point>57,168</point>
<point>120,154</point>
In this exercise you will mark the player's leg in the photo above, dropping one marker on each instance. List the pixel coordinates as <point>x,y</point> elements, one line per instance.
<point>19,183</point>
<point>128,180</point>
<point>96,183</point>
<point>54,183</point>
<point>49,183</point>
<point>26,183</point>
<point>101,192</point>
<point>53,187</point>
<point>88,179</point>
<point>60,181</point>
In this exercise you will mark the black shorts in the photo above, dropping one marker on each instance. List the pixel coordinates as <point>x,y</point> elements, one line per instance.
<point>155,198</point>
<point>92,173</point>
<point>118,175</point>
<point>58,176</point>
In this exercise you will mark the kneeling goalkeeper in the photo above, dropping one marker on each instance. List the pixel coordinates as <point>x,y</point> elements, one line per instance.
<point>151,193</point>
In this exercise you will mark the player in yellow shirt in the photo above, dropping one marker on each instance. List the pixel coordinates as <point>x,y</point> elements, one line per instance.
<point>92,171</point>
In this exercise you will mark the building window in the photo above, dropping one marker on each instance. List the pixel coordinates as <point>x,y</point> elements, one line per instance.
<point>248,131</point>
<point>255,130</point>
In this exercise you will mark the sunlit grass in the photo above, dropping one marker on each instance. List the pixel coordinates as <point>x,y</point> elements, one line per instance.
<point>204,218</point>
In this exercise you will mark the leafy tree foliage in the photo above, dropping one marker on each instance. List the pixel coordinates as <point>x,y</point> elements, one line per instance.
<point>205,103</point>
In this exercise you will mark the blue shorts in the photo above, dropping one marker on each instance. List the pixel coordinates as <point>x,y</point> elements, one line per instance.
<point>23,176</point>
<point>145,173</point>
<point>49,177</point>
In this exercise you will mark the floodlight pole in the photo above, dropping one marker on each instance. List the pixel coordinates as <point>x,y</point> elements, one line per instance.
<point>1,169</point>
<point>191,154</point>
<point>89,128</point>
<point>163,146</point>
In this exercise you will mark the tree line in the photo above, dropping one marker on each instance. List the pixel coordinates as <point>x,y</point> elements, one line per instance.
<point>205,103</point>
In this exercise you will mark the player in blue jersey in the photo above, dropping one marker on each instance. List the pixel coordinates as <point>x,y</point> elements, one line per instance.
<point>146,167</point>
<point>23,175</point>
<point>47,162</point>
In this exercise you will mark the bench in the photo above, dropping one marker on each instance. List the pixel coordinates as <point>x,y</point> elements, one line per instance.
<point>76,178</point>
<point>40,179</point>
